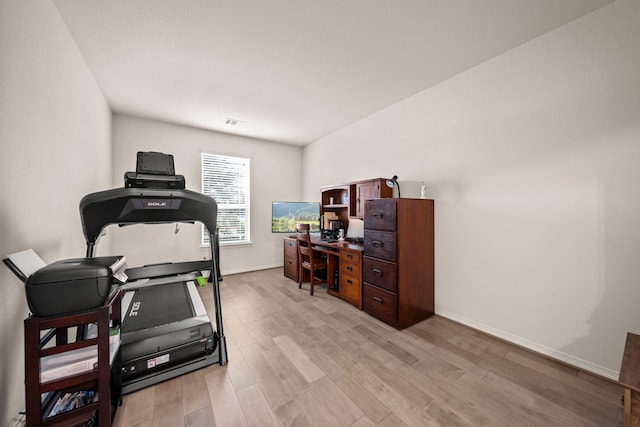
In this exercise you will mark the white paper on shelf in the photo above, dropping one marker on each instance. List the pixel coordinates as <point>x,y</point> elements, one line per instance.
<point>68,363</point>
<point>75,361</point>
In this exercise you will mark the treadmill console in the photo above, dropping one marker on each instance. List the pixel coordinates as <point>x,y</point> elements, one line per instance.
<point>154,170</point>
<point>155,163</point>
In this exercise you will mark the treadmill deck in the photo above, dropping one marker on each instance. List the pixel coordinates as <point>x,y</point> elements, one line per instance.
<point>165,326</point>
<point>158,305</point>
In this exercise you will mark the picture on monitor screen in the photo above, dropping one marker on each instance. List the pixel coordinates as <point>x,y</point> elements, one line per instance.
<point>285,215</point>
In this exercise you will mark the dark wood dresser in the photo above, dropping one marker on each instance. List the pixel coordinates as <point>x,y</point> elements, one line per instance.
<point>398,261</point>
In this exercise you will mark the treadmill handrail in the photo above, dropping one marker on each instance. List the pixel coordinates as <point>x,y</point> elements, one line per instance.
<point>159,281</point>
<point>167,269</point>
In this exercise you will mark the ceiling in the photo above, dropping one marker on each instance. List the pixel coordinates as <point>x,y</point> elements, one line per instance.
<point>292,71</point>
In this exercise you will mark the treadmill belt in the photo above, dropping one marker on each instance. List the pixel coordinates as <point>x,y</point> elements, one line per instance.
<point>158,305</point>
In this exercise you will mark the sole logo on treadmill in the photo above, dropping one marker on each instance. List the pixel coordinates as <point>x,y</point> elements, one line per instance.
<point>134,309</point>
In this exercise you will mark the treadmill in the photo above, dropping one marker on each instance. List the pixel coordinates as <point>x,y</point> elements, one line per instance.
<point>165,329</point>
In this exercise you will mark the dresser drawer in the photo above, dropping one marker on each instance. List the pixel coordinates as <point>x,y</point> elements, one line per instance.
<point>380,244</point>
<point>379,303</point>
<point>379,273</point>
<point>351,289</point>
<point>380,214</point>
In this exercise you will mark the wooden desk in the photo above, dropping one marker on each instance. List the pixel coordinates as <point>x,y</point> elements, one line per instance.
<point>327,247</point>
<point>344,267</point>
<point>630,380</point>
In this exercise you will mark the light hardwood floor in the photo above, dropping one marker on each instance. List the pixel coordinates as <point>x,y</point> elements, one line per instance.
<point>297,360</point>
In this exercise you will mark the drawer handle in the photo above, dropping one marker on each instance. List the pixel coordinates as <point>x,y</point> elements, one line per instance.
<point>377,272</point>
<point>349,268</point>
<point>378,300</point>
<point>377,215</point>
<point>349,281</point>
<point>377,243</point>
<point>349,256</point>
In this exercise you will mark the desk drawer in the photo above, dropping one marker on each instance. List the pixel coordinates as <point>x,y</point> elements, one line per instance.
<point>291,268</point>
<point>351,263</point>
<point>350,256</point>
<point>379,273</point>
<point>350,269</point>
<point>290,248</point>
<point>351,289</point>
<point>291,258</point>
<point>379,303</point>
<point>380,244</point>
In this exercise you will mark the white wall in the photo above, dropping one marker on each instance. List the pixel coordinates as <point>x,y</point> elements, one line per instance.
<point>275,176</point>
<point>533,161</point>
<point>55,140</point>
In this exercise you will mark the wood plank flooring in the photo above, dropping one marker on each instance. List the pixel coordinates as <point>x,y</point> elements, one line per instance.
<point>297,360</point>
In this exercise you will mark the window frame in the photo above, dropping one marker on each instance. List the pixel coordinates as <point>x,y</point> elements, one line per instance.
<point>222,207</point>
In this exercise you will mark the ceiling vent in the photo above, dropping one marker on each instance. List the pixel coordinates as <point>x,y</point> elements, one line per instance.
<point>233,122</point>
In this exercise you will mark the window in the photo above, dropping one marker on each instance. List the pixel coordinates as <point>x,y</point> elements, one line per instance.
<point>226,179</point>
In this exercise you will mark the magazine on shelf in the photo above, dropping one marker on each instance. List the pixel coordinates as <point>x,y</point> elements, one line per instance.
<point>68,401</point>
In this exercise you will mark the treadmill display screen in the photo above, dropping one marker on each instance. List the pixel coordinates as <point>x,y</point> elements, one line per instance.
<point>158,305</point>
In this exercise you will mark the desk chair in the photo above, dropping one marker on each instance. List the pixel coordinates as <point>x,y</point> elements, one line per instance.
<point>308,259</point>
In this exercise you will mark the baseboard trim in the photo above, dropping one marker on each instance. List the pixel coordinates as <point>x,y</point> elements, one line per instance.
<point>247,270</point>
<point>552,353</point>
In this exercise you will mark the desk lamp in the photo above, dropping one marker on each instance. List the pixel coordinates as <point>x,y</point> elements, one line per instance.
<point>393,182</point>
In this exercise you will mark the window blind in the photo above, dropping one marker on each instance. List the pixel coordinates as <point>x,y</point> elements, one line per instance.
<point>226,179</point>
